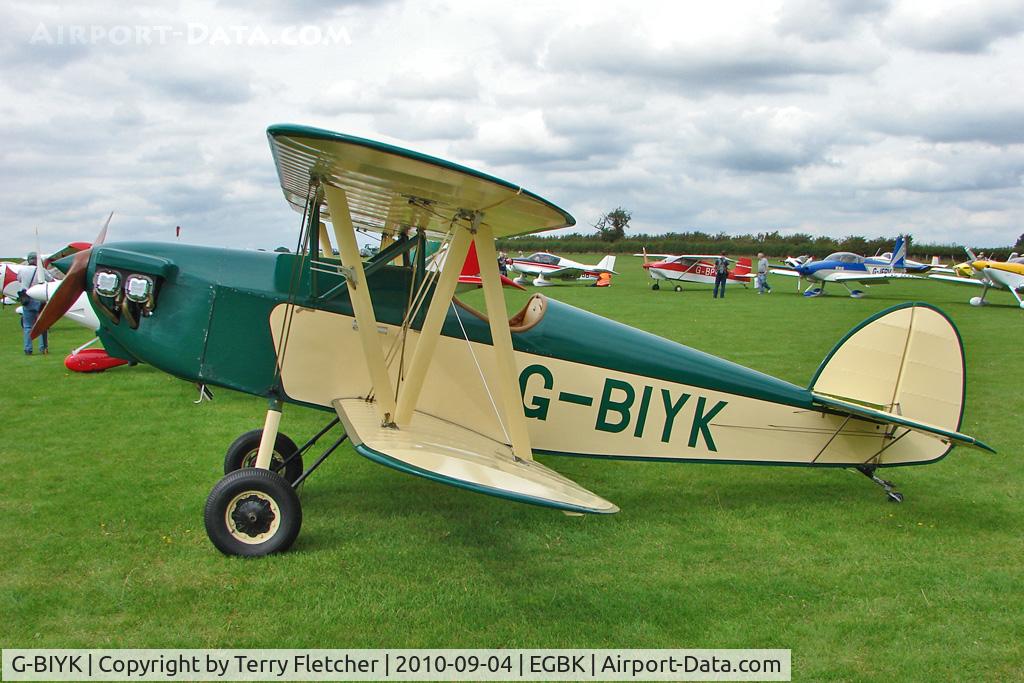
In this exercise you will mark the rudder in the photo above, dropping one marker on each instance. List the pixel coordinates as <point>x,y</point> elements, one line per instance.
<point>907,360</point>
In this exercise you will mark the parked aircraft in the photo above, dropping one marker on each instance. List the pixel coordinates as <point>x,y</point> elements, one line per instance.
<point>428,386</point>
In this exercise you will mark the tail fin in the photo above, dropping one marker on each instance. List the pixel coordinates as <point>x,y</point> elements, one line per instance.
<point>899,254</point>
<point>904,367</point>
<point>472,264</point>
<point>743,266</point>
<point>607,263</point>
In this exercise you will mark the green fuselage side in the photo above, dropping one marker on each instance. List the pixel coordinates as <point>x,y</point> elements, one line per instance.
<point>211,323</point>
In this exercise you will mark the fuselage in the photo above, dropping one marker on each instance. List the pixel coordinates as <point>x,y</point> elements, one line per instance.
<point>543,263</point>
<point>1006,274</point>
<point>80,312</point>
<point>840,262</point>
<point>700,271</point>
<point>590,386</point>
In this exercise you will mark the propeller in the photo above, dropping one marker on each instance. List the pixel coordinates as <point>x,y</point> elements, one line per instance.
<point>71,287</point>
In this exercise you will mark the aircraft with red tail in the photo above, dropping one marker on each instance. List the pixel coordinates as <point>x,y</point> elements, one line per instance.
<point>694,268</point>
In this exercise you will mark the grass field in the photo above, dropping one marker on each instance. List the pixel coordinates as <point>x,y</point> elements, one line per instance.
<point>105,477</point>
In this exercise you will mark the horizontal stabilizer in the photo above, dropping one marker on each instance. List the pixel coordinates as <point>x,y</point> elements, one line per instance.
<point>442,451</point>
<point>880,416</point>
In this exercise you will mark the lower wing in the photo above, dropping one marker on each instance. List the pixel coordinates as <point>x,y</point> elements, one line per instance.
<point>961,280</point>
<point>870,278</point>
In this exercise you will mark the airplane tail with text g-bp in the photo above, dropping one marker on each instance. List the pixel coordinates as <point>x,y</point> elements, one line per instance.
<point>903,369</point>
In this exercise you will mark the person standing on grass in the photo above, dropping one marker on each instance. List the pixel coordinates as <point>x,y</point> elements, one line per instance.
<point>721,274</point>
<point>762,274</point>
<point>30,308</point>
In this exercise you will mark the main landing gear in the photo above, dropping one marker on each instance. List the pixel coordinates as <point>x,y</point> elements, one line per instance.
<point>893,495</point>
<point>255,509</point>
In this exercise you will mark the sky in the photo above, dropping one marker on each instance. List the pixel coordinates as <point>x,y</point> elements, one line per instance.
<point>850,117</point>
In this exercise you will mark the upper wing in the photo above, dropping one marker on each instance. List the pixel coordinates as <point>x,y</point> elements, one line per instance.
<point>686,256</point>
<point>391,189</point>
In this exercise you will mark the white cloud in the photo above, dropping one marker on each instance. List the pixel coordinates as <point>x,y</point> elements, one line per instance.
<point>839,117</point>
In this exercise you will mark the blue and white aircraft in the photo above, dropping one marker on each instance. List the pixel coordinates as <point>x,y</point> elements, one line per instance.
<point>844,267</point>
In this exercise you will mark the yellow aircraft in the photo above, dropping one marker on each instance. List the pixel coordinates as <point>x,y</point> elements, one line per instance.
<point>1008,275</point>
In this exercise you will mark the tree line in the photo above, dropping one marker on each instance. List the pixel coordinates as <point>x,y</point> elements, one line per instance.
<point>771,243</point>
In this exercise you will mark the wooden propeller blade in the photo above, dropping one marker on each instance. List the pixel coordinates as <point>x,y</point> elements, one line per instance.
<point>65,296</point>
<point>103,231</point>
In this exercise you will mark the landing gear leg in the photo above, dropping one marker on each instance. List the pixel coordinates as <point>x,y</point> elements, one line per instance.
<point>893,495</point>
<point>269,437</point>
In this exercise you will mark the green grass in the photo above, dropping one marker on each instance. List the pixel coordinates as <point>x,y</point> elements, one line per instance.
<point>105,477</point>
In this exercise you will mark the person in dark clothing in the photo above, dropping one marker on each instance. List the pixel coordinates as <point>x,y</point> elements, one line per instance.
<point>30,308</point>
<point>721,274</point>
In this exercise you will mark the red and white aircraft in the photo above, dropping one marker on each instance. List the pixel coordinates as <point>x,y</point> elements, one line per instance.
<point>469,278</point>
<point>544,267</point>
<point>698,268</point>
<point>80,311</point>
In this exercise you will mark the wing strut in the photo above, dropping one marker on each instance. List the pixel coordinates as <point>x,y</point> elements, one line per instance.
<point>501,335</point>
<point>436,313</point>
<point>348,250</point>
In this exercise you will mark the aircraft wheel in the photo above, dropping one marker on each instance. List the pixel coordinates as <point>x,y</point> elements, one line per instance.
<point>678,288</point>
<point>655,286</point>
<point>252,512</point>
<point>978,301</point>
<point>242,453</point>
<point>895,496</point>
<point>857,294</point>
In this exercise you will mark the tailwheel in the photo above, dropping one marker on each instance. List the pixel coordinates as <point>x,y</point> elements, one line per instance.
<point>891,494</point>
<point>655,286</point>
<point>285,459</point>
<point>252,512</point>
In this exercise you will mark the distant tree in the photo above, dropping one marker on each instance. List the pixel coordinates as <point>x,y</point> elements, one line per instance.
<point>282,250</point>
<point>613,224</point>
<point>854,243</point>
<point>1019,247</point>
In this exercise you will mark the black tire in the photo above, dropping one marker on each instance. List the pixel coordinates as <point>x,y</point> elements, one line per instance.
<point>242,453</point>
<point>655,286</point>
<point>252,512</point>
<point>679,288</point>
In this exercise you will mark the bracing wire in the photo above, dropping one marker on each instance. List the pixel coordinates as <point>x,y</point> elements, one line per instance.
<point>479,370</point>
<point>293,282</point>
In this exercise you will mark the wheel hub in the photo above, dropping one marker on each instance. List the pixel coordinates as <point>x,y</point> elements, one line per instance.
<point>276,461</point>
<point>253,515</point>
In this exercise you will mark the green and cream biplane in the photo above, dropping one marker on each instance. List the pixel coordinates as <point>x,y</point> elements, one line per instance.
<point>425,384</point>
